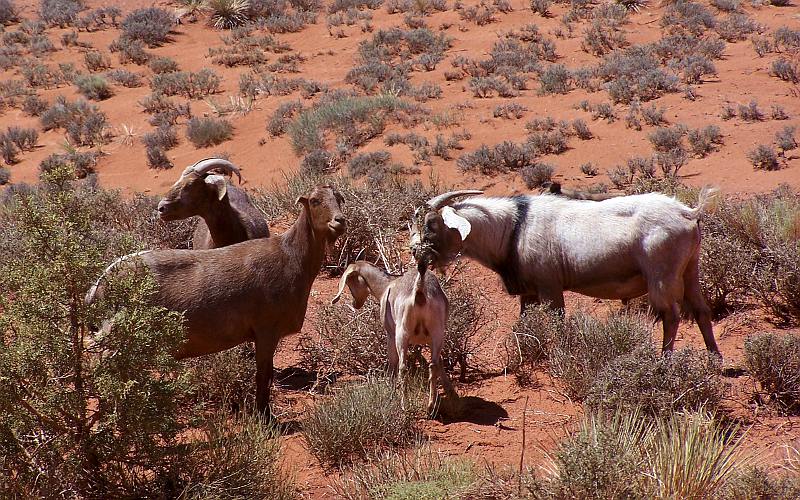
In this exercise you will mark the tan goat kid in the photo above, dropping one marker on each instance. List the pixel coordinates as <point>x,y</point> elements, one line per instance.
<point>256,290</point>
<point>414,311</point>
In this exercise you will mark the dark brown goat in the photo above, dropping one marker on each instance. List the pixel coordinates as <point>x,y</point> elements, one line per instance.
<point>256,290</point>
<point>228,214</point>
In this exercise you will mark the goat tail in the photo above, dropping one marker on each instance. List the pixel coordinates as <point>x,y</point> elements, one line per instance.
<point>707,194</point>
<point>96,290</point>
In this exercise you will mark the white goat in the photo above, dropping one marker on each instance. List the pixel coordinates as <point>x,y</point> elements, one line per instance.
<point>542,245</point>
<point>413,311</point>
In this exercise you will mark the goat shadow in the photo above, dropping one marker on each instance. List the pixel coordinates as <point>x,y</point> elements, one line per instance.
<point>471,409</point>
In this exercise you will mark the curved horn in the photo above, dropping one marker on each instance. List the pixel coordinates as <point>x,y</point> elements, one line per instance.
<point>208,164</point>
<point>443,199</point>
<point>343,282</point>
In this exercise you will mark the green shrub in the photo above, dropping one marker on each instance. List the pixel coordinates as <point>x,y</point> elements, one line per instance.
<point>658,385</point>
<point>361,419</point>
<point>93,87</point>
<point>208,131</point>
<point>110,426</point>
<point>774,361</point>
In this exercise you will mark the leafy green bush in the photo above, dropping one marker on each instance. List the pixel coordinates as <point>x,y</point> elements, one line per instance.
<point>774,361</point>
<point>119,401</point>
<point>208,131</point>
<point>361,419</point>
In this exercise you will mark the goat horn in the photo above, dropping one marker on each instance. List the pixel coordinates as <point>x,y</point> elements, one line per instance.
<point>208,164</point>
<point>343,281</point>
<point>443,199</point>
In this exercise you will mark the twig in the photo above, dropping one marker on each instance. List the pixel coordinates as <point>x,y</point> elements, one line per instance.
<point>522,451</point>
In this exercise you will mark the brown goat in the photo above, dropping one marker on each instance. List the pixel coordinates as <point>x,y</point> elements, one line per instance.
<point>256,290</point>
<point>228,215</point>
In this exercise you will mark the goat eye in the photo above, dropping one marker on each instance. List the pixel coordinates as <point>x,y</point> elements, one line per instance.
<point>315,202</point>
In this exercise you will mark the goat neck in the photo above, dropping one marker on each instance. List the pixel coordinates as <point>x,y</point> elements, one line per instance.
<point>307,247</point>
<point>224,224</point>
<point>496,223</point>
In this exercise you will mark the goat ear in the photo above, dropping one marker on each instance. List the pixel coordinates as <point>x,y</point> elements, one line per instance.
<point>454,221</point>
<point>219,183</point>
<point>303,200</point>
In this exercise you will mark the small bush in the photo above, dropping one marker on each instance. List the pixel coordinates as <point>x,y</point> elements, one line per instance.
<point>365,163</point>
<point>163,137</point>
<point>130,51</point>
<point>530,339</point>
<point>59,13</point>
<point>150,26</point>
<point>736,27</point>
<point>8,150</point>
<point>785,139</point>
<point>687,380</point>
<point>541,7</point>
<point>23,138</point>
<point>778,113</point>
<point>755,483</point>
<point>34,105</point>
<point>208,131</point>
<point>511,111</point>
<point>785,70</point>
<point>125,78</point>
<point>8,12</point>
<point>727,5</point>
<point>537,174</point>
<point>763,157</point>
<point>79,163</point>
<point>85,123</point>
<point>750,112</point>
<point>159,65</point>
<point>280,119</point>
<point>554,80</point>
<point>581,129</point>
<point>96,61</point>
<point>589,169</point>
<point>360,420</point>
<point>5,176</point>
<point>774,361</point>
<point>157,158</point>
<point>703,141</point>
<point>93,87</point>
<point>667,139</point>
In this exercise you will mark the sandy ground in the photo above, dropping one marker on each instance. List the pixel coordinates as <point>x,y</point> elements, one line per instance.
<point>491,431</point>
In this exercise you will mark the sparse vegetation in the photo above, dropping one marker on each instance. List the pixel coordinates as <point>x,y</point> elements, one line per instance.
<point>208,131</point>
<point>93,87</point>
<point>362,419</point>
<point>774,361</point>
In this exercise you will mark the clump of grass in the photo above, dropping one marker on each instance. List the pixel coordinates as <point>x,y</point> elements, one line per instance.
<point>228,14</point>
<point>208,131</point>
<point>419,473</point>
<point>361,419</point>
<point>94,87</point>
<point>774,361</point>
<point>241,459</point>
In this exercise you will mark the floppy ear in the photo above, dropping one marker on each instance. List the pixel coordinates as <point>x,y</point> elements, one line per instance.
<point>454,221</point>
<point>219,183</point>
<point>303,200</point>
